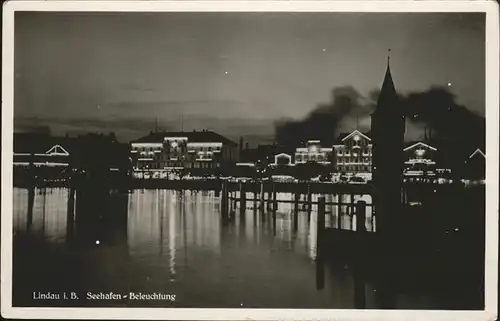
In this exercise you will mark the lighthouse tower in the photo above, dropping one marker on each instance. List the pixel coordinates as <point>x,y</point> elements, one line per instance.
<point>387,130</point>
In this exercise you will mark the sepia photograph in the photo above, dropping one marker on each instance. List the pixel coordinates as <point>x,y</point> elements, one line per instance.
<point>210,157</point>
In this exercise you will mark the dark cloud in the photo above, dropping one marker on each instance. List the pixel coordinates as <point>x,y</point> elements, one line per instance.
<point>438,109</point>
<point>435,109</point>
<point>322,123</point>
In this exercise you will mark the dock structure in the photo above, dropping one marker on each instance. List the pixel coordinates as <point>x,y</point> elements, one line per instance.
<point>304,195</point>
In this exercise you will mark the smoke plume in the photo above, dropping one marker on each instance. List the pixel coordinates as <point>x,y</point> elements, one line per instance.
<point>322,123</point>
<point>434,111</point>
<point>447,120</point>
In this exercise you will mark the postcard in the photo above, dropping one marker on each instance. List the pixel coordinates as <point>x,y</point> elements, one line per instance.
<point>237,160</point>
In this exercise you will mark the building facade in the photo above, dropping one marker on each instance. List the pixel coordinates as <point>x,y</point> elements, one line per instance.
<point>282,159</point>
<point>91,154</point>
<point>41,151</point>
<point>420,162</point>
<point>182,150</point>
<point>425,163</point>
<point>313,152</point>
<point>475,168</point>
<point>353,155</point>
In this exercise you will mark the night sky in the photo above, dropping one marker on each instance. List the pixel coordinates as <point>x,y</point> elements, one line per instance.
<point>235,73</point>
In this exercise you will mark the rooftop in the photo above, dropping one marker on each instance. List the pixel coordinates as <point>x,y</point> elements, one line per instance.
<point>205,136</point>
<point>344,136</point>
<point>41,144</point>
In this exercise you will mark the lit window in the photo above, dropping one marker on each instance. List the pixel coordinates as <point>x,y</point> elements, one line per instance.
<point>420,152</point>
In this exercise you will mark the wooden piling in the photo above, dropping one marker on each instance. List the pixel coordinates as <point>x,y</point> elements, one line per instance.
<point>261,204</point>
<point>243,200</point>
<point>225,201</point>
<point>296,202</point>
<point>309,202</point>
<point>268,199</point>
<point>296,212</point>
<point>320,228</point>
<point>273,213</point>
<point>351,212</point>
<point>70,216</point>
<point>218,188</point>
<point>351,205</point>
<point>360,216</point>
<point>339,212</point>
<point>321,220</point>
<point>275,200</point>
<point>31,201</point>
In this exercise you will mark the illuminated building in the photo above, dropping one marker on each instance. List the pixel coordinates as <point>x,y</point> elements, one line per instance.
<point>41,150</point>
<point>282,159</point>
<point>91,152</point>
<point>475,168</point>
<point>313,152</point>
<point>353,155</point>
<point>420,164</point>
<point>179,150</point>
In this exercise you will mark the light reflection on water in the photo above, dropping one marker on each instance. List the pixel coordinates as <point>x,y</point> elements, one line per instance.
<point>176,242</point>
<point>286,206</point>
<point>49,213</point>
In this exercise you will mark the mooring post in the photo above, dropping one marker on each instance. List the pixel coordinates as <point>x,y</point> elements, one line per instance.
<point>351,212</point>
<point>321,220</point>
<point>234,199</point>
<point>275,201</point>
<point>269,197</point>
<point>296,202</point>
<point>360,216</point>
<point>339,216</point>
<point>240,190</point>
<point>261,204</point>
<point>243,200</point>
<point>309,201</point>
<point>296,211</point>
<point>332,209</point>
<point>31,201</point>
<point>320,243</point>
<point>225,200</point>
<point>70,216</point>
<point>218,187</point>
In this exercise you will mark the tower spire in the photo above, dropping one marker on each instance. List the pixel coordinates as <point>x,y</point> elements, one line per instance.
<point>388,97</point>
<point>388,57</point>
<point>387,133</point>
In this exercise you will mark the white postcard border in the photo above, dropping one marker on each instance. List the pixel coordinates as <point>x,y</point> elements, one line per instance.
<point>492,141</point>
